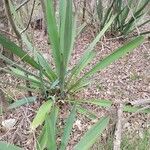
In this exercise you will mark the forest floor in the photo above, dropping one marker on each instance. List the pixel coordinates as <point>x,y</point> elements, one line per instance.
<point>126,80</point>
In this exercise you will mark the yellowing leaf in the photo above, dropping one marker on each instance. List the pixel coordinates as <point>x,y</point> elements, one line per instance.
<point>41,114</point>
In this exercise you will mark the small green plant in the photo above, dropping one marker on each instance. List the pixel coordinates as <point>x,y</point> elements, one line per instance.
<point>128,13</point>
<point>60,83</point>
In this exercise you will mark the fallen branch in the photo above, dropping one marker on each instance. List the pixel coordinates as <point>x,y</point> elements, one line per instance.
<point>141,102</point>
<point>118,129</point>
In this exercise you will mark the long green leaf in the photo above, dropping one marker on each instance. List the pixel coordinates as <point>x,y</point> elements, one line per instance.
<point>91,136</point>
<point>68,34</point>
<point>42,139</point>
<point>7,146</point>
<point>97,102</point>
<point>109,103</point>
<point>21,76</point>
<point>68,128</point>
<point>116,55</point>
<point>21,68</point>
<point>53,33</point>
<point>132,109</point>
<point>9,45</point>
<point>22,102</point>
<point>43,62</point>
<point>50,123</point>
<point>41,114</point>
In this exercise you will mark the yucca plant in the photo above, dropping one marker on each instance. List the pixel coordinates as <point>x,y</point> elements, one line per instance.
<point>129,15</point>
<point>60,83</point>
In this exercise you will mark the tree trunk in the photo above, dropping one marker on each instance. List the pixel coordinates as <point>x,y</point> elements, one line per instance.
<point>3,29</point>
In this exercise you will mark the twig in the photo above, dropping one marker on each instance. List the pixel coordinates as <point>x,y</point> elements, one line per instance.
<point>5,32</point>
<point>118,129</point>
<point>29,18</point>
<point>22,4</point>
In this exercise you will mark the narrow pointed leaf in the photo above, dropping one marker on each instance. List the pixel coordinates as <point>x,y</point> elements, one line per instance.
<point>9,45</point>
<point>53,33</point>
<point>22,102</point>
<point>68,128</point>
<point>92,134</point>
<point>41,114</point>
<point>116,55</point>
<point>50,123</point>
<point>42,140</point>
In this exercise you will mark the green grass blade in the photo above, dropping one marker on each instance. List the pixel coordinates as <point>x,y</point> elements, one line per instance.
<point>53,33</point>
<point>66,29</point>
<point>132,109</point>
<point>91,136</point>
<point>9,45</point>
<point>81,28</point>
<point>50,123</point>
<point>41,114</point>
<point>7,146</point>
<point>22,102</point>
<point>68,128</point>
<point>80,86</point>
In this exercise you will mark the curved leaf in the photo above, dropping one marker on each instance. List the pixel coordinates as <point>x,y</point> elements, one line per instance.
<point>41,114</point>
<point>91,135</point>
<point>68,128</point>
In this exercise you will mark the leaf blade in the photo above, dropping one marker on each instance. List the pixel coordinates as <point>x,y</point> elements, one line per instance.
<point>41,114</point>
<point>92,134</point>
